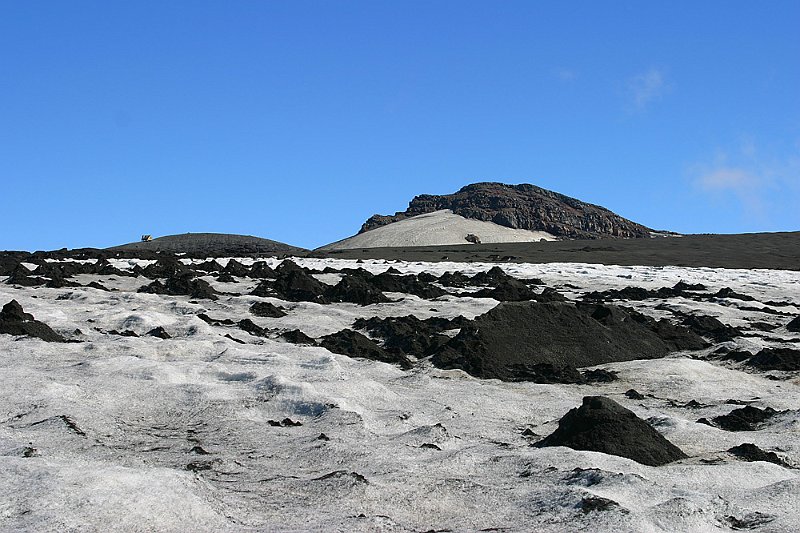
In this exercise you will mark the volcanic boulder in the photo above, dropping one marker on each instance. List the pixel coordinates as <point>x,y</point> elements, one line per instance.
<point>15,321</point>
<point>267,310</point>
<point>602,425</point>
<point>785,359</point>
<point>355,290</point>
<point>794,325</point>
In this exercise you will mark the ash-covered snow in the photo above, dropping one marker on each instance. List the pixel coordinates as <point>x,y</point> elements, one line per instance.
<point>437,229</point>
<point>121,433</point>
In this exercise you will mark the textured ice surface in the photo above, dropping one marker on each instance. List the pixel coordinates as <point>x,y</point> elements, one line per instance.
<point>142,434</point>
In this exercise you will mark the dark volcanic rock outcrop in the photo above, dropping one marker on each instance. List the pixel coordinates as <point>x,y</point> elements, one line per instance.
<point>602,425</point>
<point>211,245</point>
<point>522,206</point>
<point>15,321</point>
<point>786,359</point>
<point>354,344</point>
<point>508,341</point>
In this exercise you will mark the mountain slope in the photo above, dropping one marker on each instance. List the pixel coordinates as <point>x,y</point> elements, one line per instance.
<point>212,244</point>
<point>522,206</point>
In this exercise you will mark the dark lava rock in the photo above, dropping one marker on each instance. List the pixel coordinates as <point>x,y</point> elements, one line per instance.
<point>235,268</point>
<point>263,289</point>
<point>182,286</point>
<point>208,266</point>
<point>507,290</point>
<point>285,423</point>
<point>600,375</point>
<point>747,418</point>
<point>544,373</point>
<point>23,277</point>
<point>602,425</point>
<point>215,321</point>
<point>633,394</point>
<point>159,332</point>
<point>354,344</point>
<point>354,289</point>
<point>409,334</point>
<point>295,336</point>
<point>296,285</point>
<point>408,284</point>
<point>252,328</point>
<point>165,267</point>
<point>711,327</point>
<point>794,325</point>
<point>727,292</point>
<point>15,321</point>
<point>529,333</point>
<point>323,436</point>
<point>751,452</point>
<point>683,286</point>
<point>677,337</point>
<point>266,310</point>
<point>736,355</point>
<point>589,504</point>
<point>522,206</point>
<point>785,359</point>
<point>261,269</point>
<point>226,278</point>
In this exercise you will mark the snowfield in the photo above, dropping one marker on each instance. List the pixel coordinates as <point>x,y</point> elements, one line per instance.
<point>118,433</point>
<point>438,228</point>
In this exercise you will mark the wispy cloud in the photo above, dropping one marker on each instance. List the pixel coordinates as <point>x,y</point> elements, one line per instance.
<point>756,184</point>
<point>566,74</point>
<point>647,87</point>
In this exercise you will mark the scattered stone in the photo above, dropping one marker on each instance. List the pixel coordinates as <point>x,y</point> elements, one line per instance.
<point>199,450</point>
<point>285,423</point>
<point>430,446</point>
<point>125,333</point>
<point>323,436</point>
<point>295,285</point>
<point>749,521</point>
<point>354,344</point>
<point>544,373</point>
<point>727,292</point>
<point>633,394</point>
<point>15,321</point>
<point>266,310</point>
<point>602,425</point>
<point>234,339</point>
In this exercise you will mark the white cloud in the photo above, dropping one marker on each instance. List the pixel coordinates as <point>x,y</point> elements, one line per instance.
<point>566,74</point>
<point>729,178</point>
<point>647,87</point>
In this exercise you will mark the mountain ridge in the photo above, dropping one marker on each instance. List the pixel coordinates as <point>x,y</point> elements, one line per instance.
<point>522,206</point>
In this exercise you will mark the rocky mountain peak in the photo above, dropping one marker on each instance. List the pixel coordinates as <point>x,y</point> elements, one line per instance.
<point>522,206</point>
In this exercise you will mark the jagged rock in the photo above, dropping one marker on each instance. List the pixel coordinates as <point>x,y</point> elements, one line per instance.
<point>266,310</point>
<point>182,286</point>
<point>409,334</point>
<point>727,292</point>
<point>602,425</point>
<point>15,321</point>
<point>354,344</point>
<point>295,285</point>
<point>159,332</point>
<point>235,268</point>
<point>530,333</point>
<point>252,328</point>
<point>747,418</point>
<point>599,375</point>
<point>785,359</point>
<point>507,290</point>
<point>794,325</point>
<point>633,394</point>
<point>751,452</point>
<point>23,277</point>
<point>261,269</point>
<point>166,267</point>
<point>296,336</point>
<point>522,206</point>
<point>711,327</point>
<point>408,284</point>
<point>354,289</point>
<point>226,278</point>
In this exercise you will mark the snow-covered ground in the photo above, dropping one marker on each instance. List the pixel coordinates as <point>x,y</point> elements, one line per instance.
<point>142,434</point>
<point>436,229</point>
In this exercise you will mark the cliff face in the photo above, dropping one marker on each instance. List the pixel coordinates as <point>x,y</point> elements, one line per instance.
<point>525,207</point>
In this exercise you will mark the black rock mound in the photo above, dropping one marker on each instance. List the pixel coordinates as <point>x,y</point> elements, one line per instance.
<point>507,342</point>
<point>354,344</point>
<point>267,310</point>
<point>602,425</point>
<point>15,321</point>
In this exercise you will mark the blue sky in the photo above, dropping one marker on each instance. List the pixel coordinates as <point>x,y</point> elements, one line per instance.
<point>298,120</point>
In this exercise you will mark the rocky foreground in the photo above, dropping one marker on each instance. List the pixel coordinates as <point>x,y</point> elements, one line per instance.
<point>321,394</point>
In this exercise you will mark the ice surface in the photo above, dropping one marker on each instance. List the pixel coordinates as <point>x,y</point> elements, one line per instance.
<point>142,434</point>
